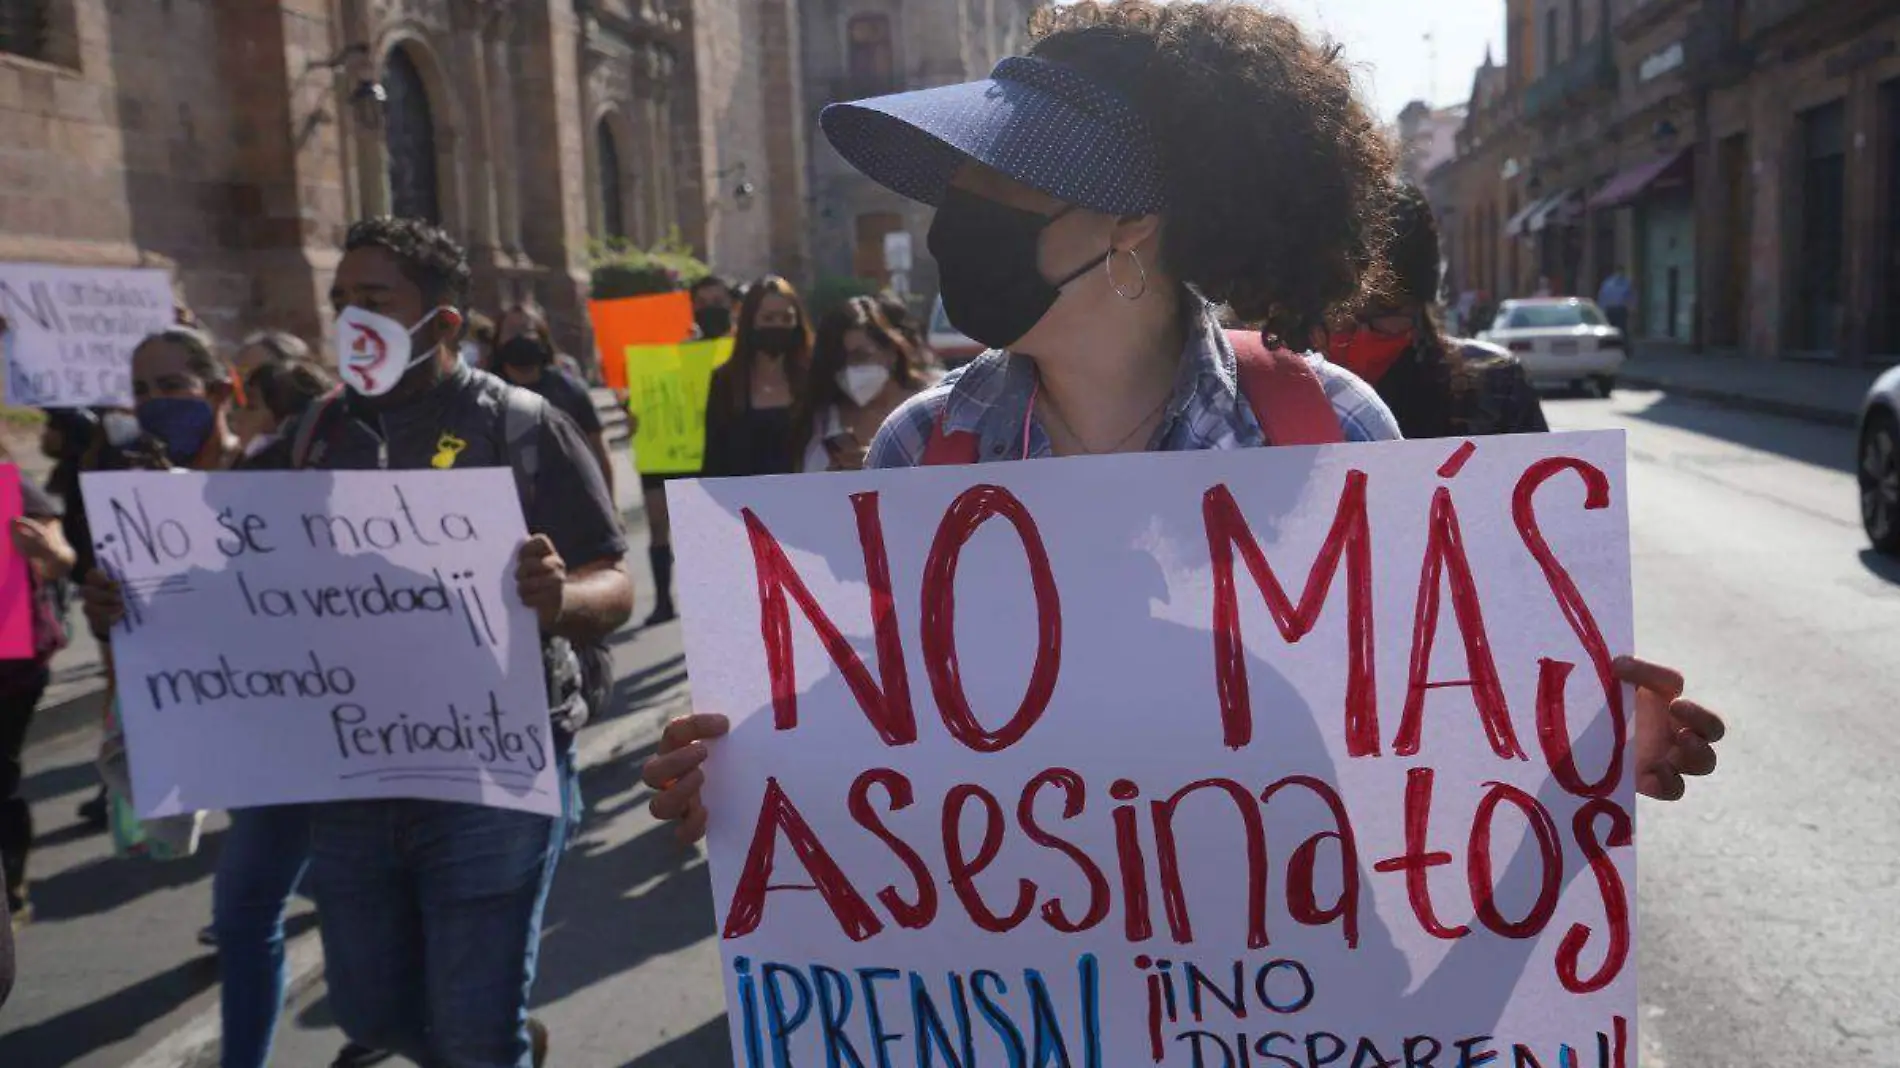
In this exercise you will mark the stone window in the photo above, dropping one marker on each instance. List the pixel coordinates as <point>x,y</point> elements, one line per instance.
<point>24,28</point>
<point>409,131</point>
<point>613,218</point>
<point>872,59</point>
<point>868,257</point>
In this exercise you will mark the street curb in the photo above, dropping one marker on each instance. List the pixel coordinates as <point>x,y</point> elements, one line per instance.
<point>1745,402</point>
<point>196,1043</point>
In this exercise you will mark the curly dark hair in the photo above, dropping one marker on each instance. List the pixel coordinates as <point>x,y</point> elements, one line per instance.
<point>287,387</point>
<point>1276,173</point>
<point>429,256</point>
<point>1413,253</point>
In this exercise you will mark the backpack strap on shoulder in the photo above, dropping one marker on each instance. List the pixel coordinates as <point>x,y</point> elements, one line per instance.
<point>1285,394</point>
<point>313,419</point>
<point>946,449</point>
<point>522,412</point>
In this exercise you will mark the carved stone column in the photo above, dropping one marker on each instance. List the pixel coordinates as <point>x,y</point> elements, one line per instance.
<point>505,151</point>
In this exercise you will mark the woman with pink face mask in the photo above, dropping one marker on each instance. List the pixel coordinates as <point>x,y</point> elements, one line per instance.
<point>862,368</point>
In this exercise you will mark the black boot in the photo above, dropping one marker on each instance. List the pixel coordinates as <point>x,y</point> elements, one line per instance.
<point>16,839</point>
<point>661,558</point>
<point>93,812</point>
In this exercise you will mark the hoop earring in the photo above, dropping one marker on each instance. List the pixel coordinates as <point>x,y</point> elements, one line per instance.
<point>1109,266</point>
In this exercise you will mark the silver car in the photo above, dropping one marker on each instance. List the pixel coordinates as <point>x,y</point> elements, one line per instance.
<point>1879,466</point>
<point>1561,341</point>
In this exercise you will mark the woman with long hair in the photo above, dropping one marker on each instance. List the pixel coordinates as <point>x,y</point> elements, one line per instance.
<point>862,367</point>
<point>1436,385</point>
<point>749,409</point>
<point>1095,200</point>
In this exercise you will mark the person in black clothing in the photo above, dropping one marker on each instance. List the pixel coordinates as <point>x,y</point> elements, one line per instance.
<point>524,355</point>
<point>712,319</point>
<point>431,909</point>
<point>1437,386</point>
<point>749,409</point>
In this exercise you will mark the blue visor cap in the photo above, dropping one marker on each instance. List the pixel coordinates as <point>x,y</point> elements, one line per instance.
<point>1040,123</point>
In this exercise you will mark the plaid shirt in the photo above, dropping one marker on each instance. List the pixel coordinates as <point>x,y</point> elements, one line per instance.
<point>991,398</point>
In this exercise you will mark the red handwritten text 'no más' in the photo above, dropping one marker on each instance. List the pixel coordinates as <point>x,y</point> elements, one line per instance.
<point>885,700</point>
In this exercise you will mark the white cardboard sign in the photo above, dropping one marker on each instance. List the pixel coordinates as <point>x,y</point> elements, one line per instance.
<point>297,636</point>
<point>1300,757</point>
<point>71,331</point>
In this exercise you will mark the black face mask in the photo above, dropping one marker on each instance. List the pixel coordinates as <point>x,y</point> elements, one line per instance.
<point>524,351</point>
<point>986,256</point>
<point>777,340</point>
<point>714,321</point>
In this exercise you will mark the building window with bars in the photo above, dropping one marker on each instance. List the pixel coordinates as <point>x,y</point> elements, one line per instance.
<point>872,59</point>
<point>613,217</point>
<point>409,131</point>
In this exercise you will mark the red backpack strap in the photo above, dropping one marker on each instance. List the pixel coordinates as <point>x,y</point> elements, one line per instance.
<point>1284,392</point>
<point>945,449</point>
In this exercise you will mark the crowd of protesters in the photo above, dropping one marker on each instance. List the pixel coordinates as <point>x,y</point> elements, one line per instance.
<point>1129,296</point>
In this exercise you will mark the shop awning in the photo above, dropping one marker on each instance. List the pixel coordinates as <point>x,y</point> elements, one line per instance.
<point>1516,226</point>
<point>1632,181</point>
<point>1559,210</point>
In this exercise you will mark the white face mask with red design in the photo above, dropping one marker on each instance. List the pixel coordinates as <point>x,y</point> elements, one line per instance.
<point>373,351</point>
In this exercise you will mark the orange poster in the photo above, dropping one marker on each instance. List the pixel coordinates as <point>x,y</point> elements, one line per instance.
<point>662,319</point>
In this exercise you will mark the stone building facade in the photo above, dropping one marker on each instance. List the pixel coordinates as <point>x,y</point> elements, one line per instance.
<point>235,142</point>
<point>1740,158</point>
<point>859,48</point>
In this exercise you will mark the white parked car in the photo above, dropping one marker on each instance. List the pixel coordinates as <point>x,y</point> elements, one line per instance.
<point>953,349</point>
<point>1879,465</point>
<point>1563,341</point>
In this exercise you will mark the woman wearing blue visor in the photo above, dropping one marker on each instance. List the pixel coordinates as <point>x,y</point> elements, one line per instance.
<point>1096,201</point>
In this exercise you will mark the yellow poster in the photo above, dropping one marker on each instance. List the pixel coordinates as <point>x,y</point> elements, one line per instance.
<point>667,387</point>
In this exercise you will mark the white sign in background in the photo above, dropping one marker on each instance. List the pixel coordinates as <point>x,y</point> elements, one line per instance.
<point>71,331</point>
<point>319,636</point>
<point>1130,883</point>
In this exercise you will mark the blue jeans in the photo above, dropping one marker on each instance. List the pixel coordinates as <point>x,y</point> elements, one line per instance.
<point>264,856</point>
<point>431,919</point>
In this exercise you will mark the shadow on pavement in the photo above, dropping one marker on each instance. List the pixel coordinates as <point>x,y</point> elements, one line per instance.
<point>1810,443</point>
<point>640,689</point>
<point>618,904</point>
<point>109,883</point>
<point>706,1046</point>
<point>48,784</point>
<point>121,1015</point>
<point>115,1018</point>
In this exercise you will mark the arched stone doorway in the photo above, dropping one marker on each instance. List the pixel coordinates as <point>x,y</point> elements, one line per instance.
<point>613,201</point>
<point>409,137</point>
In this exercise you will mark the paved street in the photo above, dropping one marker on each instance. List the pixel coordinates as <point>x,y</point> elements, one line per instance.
<point>1767,900</point>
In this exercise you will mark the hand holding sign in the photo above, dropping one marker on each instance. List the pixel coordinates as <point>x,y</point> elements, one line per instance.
<point>1164,753</point>
<point>1674,736</point>
<point>269,629</point>
<point>541,580</point>
<point>676,776</point>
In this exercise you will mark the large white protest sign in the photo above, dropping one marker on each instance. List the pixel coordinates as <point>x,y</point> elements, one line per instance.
<point>318,636</point>
<point>1280,758</point>
<point>71,331</point>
